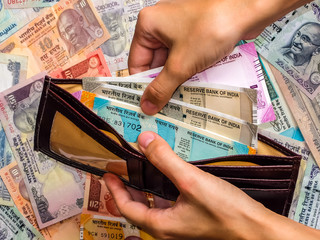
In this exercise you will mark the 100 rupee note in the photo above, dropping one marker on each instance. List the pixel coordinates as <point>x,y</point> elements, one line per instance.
<point>46,180</point>
<point>63,34</point>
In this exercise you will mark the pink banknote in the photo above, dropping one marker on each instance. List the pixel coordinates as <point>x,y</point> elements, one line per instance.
<point>241,68</point>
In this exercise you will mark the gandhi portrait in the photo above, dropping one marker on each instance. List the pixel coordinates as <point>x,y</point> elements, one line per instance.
<point>25,115</point>
<point>304,45</point>
<point>117,41</point>
<point>71,27</point>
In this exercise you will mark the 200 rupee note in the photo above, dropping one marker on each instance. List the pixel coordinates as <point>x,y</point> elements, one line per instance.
<point>46,180</point>
<point>226,125</point>
<point>207,95</point>
<point>63,34</point>
<point>185,140</point>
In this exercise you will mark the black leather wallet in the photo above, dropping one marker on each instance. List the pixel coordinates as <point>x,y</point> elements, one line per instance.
<point>71,133</point>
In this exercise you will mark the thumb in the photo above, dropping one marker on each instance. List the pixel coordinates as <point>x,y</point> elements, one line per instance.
<point>160,154</point>
<point>158,93</point>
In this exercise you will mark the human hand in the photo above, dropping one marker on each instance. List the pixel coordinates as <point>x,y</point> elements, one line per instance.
<point>207,208</point>
<point>186,36</point>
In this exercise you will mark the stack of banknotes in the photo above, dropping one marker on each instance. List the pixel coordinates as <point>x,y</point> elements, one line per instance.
<point>264,86</point>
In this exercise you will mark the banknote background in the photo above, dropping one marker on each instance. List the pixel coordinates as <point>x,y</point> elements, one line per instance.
<point>264,92</point>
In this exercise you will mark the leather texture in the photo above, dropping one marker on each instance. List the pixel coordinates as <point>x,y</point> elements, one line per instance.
<point>269,179</point>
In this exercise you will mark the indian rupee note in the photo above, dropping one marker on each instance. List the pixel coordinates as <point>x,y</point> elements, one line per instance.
<point>5,197</point>
<point>120,19</point>
<point>93,66</point>
<point>96,227</point>
<point>13,69</point>
<point>211,96</point>
<point>185,140</point>
<point>67,229</point>
<point>11,20</point>
<point>300,148</point>
<point>284,124</point>
<point>304,111</point>
<point>63,34</point>
<point>6,155</point>
<point>28,3</point>
<point>46,180</point>
<point>14,226</point>
<point>293,48</point>
<point>308,206</point>
<point>226,125</point>
<point>241,68</point>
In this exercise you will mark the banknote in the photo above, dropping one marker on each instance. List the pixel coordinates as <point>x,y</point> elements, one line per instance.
<point>304,111</point>
<point>226,125</point>
<point>241,68</point>
<point>93,66</point>
<point>63,34</point>
<point>308,207</point>
<point>13,69</point>
<point>300,148</point>
<point>14,226</point>
<point>13,180</point>
<point>5,198</point>
<point>96,227</point>
<point>11,20</point>
<point>6,155</point>
<point>129,121</point>
<point>28,3</point>
<point>120,18</point>
<point>293,49</point>
<point>284,124</point>
<point>207,95</point>
<point>46,180</point>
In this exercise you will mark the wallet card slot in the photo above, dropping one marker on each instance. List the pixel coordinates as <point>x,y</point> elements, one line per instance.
<point>259,183</point>
<point>253,172</point>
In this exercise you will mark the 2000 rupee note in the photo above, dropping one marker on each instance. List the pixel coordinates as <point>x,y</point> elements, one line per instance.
<point>63,34</point>
<point>46,180</point>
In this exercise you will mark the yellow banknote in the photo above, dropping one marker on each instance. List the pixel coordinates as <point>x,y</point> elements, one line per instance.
<point>64,34</point>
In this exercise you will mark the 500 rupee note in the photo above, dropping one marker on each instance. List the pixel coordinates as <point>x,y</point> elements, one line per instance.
<point>63,34</point>
<point>46,180</point>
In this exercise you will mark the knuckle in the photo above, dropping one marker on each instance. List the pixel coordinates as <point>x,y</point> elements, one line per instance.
<point>158,92</point>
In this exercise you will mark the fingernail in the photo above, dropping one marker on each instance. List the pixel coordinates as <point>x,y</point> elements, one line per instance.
<point>145,139</point>
<point>149,108</point>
